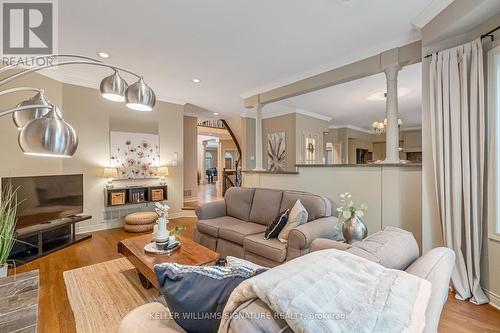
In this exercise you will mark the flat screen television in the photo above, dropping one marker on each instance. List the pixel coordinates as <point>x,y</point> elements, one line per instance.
<point>46,198</point>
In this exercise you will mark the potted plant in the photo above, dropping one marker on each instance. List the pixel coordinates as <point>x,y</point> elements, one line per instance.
<point>353,228</point>
<point>8,210</point>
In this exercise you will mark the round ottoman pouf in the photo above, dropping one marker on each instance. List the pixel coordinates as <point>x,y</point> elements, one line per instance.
<point>138,227</point>
<point>141,218</point>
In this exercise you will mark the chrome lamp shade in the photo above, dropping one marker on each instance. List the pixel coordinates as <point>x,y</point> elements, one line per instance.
<point>113,87</point>
<point>49,135</point>
<point>21,118</point>
<point>139,96</point>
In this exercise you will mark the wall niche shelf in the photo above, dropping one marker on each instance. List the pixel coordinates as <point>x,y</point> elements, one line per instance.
<point>134,195</point>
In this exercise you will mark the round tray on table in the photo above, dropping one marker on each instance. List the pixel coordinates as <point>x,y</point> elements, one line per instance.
<point>151,248</point>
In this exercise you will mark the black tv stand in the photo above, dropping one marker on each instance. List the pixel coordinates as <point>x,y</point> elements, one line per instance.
<point>46,237</point>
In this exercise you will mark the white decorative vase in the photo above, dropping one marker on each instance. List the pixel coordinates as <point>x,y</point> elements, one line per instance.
<point>162,232</point>
<point>3,270</point>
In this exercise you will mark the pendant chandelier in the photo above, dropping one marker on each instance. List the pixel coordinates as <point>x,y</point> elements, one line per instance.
<point>42,129</point>
<point>380,127</point>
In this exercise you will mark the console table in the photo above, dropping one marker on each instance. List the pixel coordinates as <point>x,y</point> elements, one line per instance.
<point>44,238</point>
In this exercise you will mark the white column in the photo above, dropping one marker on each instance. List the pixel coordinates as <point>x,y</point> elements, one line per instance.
<point>258,138</point>
<point>392,133</point>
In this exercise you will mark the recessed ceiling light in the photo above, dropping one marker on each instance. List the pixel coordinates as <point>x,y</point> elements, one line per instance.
<point>380,94</point>
<point>216,113</point>
<point>103,55</point>
<point>196,80</point>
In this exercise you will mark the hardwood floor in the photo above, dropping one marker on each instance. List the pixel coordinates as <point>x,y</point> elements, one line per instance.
<point>56,315</point>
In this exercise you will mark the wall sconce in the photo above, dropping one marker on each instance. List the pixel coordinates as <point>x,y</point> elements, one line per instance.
<point>162,172</point>
<point>110,173</point>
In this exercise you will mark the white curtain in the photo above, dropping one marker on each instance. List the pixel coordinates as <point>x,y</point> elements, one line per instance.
<point>458,139</point>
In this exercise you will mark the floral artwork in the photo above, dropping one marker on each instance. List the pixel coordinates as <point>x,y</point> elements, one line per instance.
<point>276,152</point>
<point>135,155</point>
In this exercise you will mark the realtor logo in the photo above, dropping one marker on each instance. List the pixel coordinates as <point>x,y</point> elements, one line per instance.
<point>27,28</point>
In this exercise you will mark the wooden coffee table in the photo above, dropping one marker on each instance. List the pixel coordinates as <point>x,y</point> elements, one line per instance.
<point>190,253</point>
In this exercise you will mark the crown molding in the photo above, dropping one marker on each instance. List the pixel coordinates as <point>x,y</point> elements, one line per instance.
<point>430,12</point>
<point>353,127</point>
<point>272,114</point>
<point>313,114</point>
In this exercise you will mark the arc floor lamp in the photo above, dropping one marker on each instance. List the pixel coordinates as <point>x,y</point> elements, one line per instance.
<point>42,130</point>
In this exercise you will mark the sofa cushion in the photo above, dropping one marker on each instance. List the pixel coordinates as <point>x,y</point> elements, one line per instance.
<point>211,227</point>
<point>298,215</point>
<point>271,249</point>
<point>236,232</point>
<point>265,206</point>
<point>238,202</point>
<point>140,320</point>
<point>317,206</point>
<point>392,248</point>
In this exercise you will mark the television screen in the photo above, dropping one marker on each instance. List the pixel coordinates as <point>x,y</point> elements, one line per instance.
<point>46,198</point>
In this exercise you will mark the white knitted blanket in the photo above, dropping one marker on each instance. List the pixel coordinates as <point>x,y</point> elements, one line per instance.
<point>335,291</point>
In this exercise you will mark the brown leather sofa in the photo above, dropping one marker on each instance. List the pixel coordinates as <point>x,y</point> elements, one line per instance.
<point>235,225</point>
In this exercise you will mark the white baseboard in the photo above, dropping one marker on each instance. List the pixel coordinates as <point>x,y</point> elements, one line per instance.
<point>101,226</point>
<point>494,299</point>
<point>119,223</point>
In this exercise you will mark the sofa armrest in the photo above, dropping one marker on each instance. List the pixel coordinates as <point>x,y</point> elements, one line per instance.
<point>301,237</point>
<point>324,244</point>
<point>211,210</point>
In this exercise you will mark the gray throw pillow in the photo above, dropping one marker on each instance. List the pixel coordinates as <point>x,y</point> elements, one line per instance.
<point>197,295</point>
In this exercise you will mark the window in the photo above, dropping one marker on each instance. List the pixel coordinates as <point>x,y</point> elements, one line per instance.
<point>208,160</point>
<point>493,117</point>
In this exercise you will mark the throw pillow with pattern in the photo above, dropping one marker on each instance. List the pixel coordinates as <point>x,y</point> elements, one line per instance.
<point>197,295</point>
<point>273,230</point>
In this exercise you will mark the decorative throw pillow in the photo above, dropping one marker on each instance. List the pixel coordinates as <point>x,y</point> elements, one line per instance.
<point>273,230</point>
<point>297,216</point>
<point>197,295</point>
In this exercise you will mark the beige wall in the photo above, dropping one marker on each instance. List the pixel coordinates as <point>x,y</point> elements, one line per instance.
<point>14,162</point>
<point>247,143</point>
<point>400,189</point>
<point>436,36</point>
<point>229,146</point>
<point>190,145</point>
<point>93,117</point>
<point>285,123</point>
<point>306,126</point>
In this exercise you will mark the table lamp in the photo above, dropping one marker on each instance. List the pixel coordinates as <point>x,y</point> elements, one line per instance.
<point>110,173</point>
<point>162,172</point>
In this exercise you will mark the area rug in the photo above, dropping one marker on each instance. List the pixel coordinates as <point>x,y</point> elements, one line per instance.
<point>101,295</point>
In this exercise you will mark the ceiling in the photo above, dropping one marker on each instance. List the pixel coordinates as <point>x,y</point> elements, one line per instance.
<point>235,47</point>
<point>348,103</point>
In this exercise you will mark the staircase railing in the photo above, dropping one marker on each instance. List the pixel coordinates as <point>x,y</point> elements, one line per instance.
<point>228,179</point>
<point>237,171</point>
